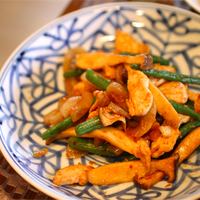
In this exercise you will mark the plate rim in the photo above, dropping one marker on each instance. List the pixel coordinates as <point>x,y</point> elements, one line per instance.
<point>34,35</point>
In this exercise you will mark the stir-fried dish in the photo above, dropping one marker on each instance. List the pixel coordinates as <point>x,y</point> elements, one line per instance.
<point>129,104</point>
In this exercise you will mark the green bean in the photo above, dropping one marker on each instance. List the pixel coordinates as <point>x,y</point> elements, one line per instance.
<point>156,59</point>
<point>58,128</point>
<point>185,110</point>
<point>189,127</point>
<point>190,104</point>
<point>88,126</point>
<point>96,79</point>
<point>85,145</point>
<point>171,76</point>
<point>73,73</point>
<point>131,158</point>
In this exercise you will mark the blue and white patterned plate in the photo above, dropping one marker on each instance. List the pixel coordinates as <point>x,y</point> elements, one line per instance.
<point>31,83</point>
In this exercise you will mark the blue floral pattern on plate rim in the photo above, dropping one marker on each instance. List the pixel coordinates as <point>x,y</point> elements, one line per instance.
<point>31,85</point>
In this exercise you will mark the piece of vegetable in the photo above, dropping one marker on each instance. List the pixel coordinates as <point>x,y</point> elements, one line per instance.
<point>190,104</point>
<point>117,92</point>
<point>58,128</point>
<point>73,73</point>
<point>128,171</point>
<point>74,153</point>
<point>144,125</point>
<point>85,145</point>
<point>188,144</point>
<point>184,110</point>
<point>171,76</point>
<point>67,63</point>
<point>88,126</point>
<point>164,144</point>
<point>96,79</point>
<point>164,108</point>
<point>189,127</point>
<point>78,110</point>
<point>156,59</point>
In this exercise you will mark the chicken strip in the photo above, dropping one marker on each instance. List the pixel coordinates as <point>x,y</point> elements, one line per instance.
<point>125,43</point>
<point>140,98</point>
<point>175,91</point>
<point>72,174</point>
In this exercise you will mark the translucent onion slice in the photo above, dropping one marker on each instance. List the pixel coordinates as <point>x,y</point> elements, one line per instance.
<point>66,107</point>
<point>117,92</point>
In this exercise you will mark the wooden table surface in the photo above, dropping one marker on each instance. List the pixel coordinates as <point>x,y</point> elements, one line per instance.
<point>12,185</point>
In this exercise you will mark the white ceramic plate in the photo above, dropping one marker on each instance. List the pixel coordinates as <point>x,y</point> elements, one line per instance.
<point>31,83</point>
<point>195,4</point>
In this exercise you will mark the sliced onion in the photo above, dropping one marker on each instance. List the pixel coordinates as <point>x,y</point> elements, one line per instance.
<point>66,107</point>
<point>117,110</point>
<point>53,117</point>
<point>81,107</point>
<point>61,101</point>
<point>166,131</point>
<point>117,92</point>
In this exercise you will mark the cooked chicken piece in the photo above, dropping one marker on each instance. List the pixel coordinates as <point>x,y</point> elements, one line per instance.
<point>163,67</point>
<point>140,98</point>
<point>157,81</point>
<point>97,60</point>
<point>175,91</point>
<point>197,104</point>
<point>192,95</point>
<point>125,43</point>
<point>164,144</point>
<point>72,174</point>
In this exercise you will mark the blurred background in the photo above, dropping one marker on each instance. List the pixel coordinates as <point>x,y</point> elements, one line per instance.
<point>20,18</point>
